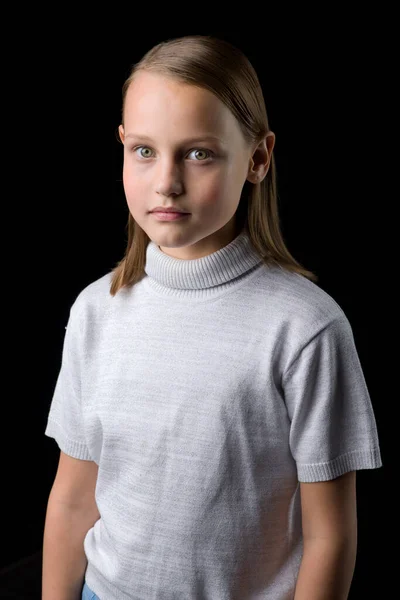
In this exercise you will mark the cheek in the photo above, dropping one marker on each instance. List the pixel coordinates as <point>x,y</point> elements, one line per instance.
<point>210,185</point>
<point>127,176</point>
<point>132,181</point>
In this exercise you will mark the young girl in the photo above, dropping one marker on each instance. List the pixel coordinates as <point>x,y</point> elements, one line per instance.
<point>211,409</point>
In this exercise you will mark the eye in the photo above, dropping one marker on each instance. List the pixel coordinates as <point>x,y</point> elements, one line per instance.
<point>201,154</point>
<point>144,151</point>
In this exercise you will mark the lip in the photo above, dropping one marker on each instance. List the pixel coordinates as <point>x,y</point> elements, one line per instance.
<point>165,209</point>
<point>169,216</point>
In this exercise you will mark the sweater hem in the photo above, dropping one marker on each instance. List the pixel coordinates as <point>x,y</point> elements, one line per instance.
<point>101,587</point>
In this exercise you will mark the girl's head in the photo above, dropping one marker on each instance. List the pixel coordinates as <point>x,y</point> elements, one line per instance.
<point>184,148</point>
<point>196,137</point>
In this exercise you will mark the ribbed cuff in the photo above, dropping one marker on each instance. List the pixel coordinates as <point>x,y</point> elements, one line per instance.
<point>68,446</point>
<point>353,461</point>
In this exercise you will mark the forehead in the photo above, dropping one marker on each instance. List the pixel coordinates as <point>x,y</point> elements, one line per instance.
<point>157,103</point>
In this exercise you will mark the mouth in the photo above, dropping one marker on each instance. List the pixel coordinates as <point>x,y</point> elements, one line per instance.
<point>169,209</point>
<point>169,216</point>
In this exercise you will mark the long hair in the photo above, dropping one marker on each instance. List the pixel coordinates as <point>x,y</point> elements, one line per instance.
<point>220,67</point>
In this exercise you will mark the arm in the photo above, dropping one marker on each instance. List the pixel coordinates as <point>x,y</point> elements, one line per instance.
<point>71,512</point>
<point>64,559</point>
<point>329,520</point>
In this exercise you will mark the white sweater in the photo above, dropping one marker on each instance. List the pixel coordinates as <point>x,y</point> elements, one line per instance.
<point>205,394</point>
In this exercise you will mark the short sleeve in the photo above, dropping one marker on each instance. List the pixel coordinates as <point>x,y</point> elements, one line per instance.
<point>332,423</point>
<point>64,422</point>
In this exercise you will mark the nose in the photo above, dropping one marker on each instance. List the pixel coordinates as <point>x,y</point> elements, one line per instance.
<point>169,179</point>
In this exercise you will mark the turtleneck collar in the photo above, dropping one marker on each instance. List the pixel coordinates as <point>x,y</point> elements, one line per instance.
<point>172,276</point>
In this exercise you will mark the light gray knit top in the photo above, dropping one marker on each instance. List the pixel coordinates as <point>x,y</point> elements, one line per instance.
<point>205,394</point>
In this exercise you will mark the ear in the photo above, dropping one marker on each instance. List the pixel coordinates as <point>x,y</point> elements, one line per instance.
<point>261,159</point>
<point>121,133</point>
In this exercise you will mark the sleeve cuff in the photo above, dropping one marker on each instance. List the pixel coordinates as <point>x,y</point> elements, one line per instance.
<point>68,446</point>
<point>353,461</point>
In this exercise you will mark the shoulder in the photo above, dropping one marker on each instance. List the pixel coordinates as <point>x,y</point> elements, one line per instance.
<point>299,306</point>
<point>94,300</point>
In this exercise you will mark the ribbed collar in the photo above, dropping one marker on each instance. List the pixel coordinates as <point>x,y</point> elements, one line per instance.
<point>172,275</point>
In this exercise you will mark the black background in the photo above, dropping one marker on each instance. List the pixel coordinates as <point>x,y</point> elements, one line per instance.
<point>326,92</point>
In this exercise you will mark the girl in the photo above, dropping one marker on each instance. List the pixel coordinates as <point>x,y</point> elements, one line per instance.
<point>211,409</point>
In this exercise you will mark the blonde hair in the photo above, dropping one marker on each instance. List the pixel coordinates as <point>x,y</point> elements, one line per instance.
<point>218,66</point>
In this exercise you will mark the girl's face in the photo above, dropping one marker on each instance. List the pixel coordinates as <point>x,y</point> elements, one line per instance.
<point>184,148</point>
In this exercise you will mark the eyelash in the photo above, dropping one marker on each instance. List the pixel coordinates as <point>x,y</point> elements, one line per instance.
<point>210,154</point>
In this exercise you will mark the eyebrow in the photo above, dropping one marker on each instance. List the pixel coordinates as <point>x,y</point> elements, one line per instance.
<point>200,138</point>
